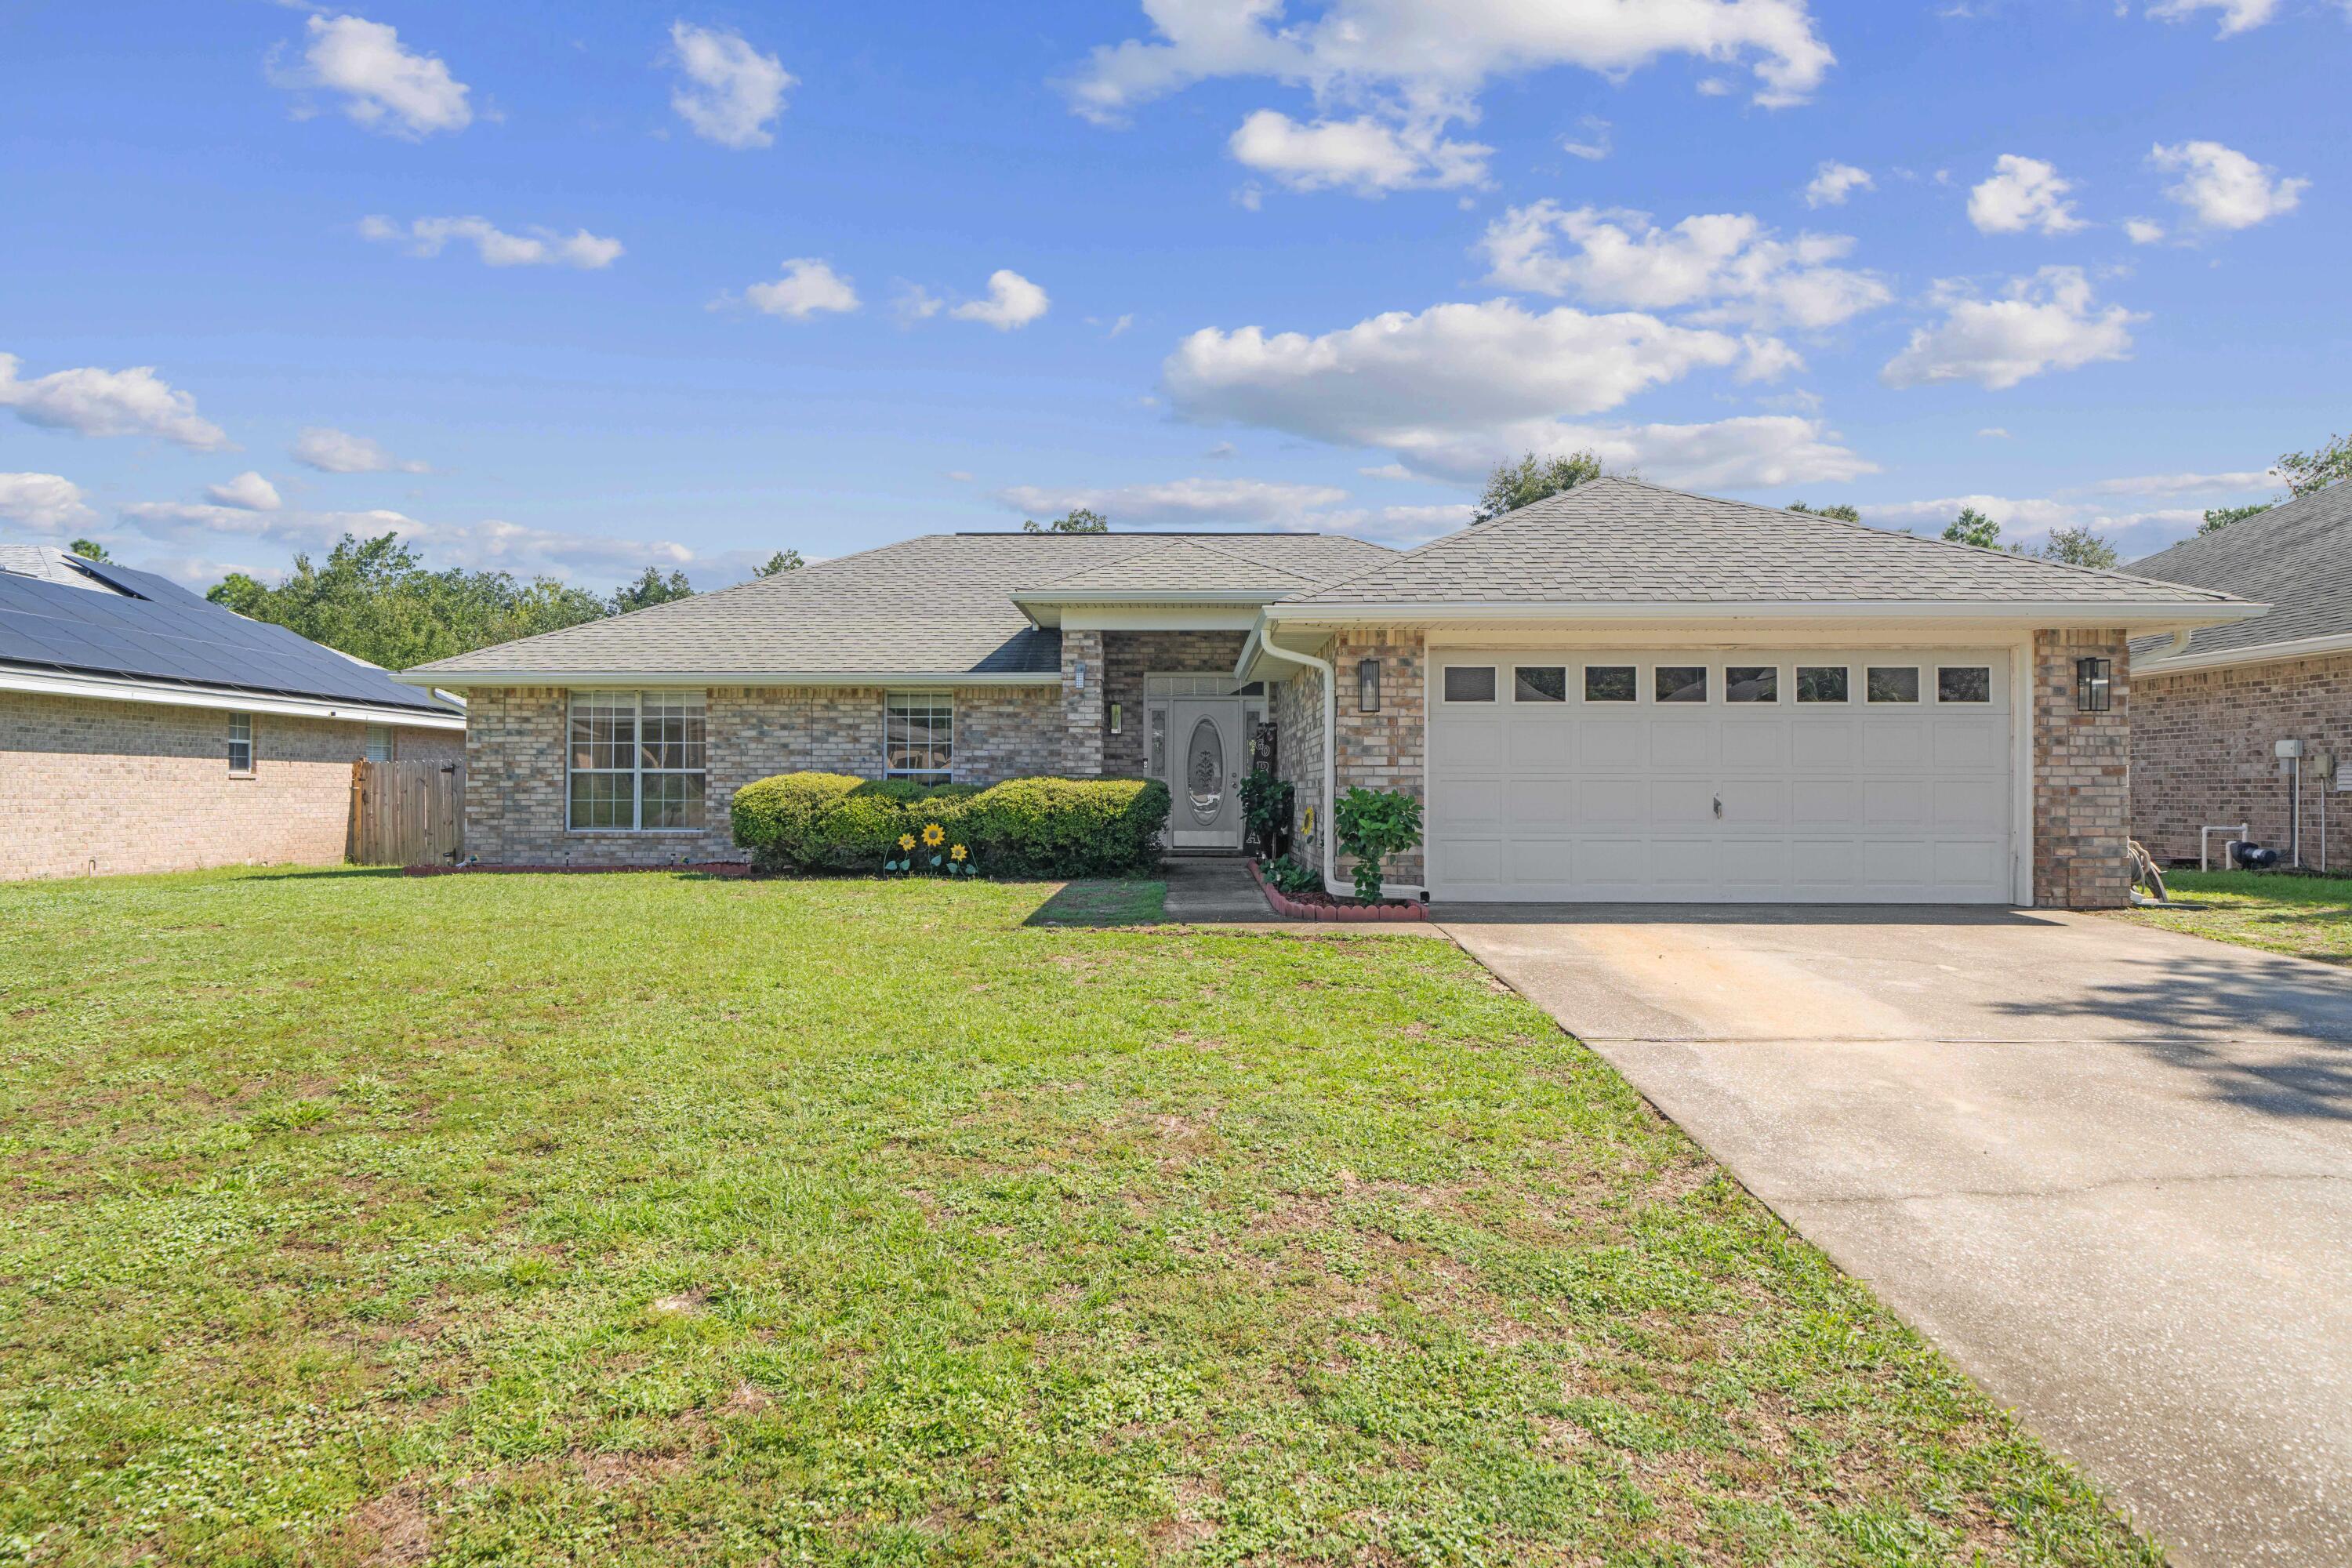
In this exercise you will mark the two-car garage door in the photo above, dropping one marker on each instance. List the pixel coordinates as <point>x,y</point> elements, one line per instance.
<point>1877,776</point>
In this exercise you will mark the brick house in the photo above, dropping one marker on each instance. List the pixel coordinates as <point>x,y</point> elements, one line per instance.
<point>143,728</point>
<point>2213,703</point>
<point>1623,692</point>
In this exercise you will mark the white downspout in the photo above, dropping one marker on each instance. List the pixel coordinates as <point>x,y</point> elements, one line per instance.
<point>1331,737</point>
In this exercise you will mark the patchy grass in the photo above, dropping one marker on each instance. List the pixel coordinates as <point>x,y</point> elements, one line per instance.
<point>643,1220</point>
<point>1104,903</point>
<point>2308,916</point>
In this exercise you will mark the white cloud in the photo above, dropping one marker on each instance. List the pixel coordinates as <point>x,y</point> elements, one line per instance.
<point>2024,520</point>
<point>730,91</point>
<point>1425,51</point>
<point>1595,145</point>
<point>1259,503</point>
<point>2023,193</point>
<point>385,86</point>
<point>539,247</point>
<point>1126,321</point>
<point>1994,433</point>
<point>2237,16</point>
<point>45,503</point>
<point>340,452</point>
<point>1362,154</point>
<point>1388,471</point>
<point>2047,321</point>
<point>808,287</point>
<point>248,490</point>
<point>1832,183</point>
<point>1730,263</point>
<point>92,402</point>
<point>2187,483</point>
<point>1012,301</point>
<point>2223,188</point>
<point>2143,231</point>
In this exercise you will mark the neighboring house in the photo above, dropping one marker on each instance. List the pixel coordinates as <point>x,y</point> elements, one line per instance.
<point>1622,692</point>
<point>2214,704</point>
<point>144,728</point>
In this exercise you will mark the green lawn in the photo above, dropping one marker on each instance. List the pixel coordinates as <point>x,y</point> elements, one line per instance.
<point>2311,916</point>
<point>655,1220</point>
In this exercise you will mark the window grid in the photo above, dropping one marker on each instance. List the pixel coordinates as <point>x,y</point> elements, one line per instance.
<point>637,761</point>
<point>240,742</point>
<point>379,744</point>
<point>918,736</point>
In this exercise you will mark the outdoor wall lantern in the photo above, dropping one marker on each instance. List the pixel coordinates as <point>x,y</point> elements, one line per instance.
<point>2094,680</point>
<point>1078,673</point>
<point>1114,718</point>
<point>1368,686</point>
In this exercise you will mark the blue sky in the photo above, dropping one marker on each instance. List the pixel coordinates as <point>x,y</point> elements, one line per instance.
<point>577,288</point>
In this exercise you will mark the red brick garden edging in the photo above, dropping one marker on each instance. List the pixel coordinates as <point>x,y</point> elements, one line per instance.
<point>1310,909</point>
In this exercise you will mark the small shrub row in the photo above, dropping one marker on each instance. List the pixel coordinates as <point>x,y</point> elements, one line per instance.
<point>1022,828</point>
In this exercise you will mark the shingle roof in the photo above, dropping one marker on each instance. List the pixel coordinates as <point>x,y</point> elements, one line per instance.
<point>1183,565</point>
<point>938,605</point>
<point>1615,540</point>
<point>2297,557</point>
<point>149,629</point>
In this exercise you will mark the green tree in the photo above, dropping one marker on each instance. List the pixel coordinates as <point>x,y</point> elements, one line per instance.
<point>1530,479</point>
<point>1973,527</point>
<point>2218,518</point>
<point>88,550</point>
<point>2078,547</point>
<point>373,599</point>
<point>1842,513</point>
<point>1077,520</point>
<point>649,589</point>
<point>2307,471</point>
<point>782,561</point>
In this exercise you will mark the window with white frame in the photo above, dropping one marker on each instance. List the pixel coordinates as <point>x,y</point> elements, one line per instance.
<point>637,760</point>
<point>240,742</point>
<point>918,736</point>
<point>379,742</point>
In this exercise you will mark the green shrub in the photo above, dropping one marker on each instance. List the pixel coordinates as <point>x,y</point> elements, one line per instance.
<point>1287,875</point>
<point>1373,824</point>
<point>1022,828</point>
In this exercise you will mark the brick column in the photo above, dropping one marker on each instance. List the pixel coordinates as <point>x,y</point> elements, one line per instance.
<point>1082,711</point>
<point>1386,750</point>
<point>2082,777</point>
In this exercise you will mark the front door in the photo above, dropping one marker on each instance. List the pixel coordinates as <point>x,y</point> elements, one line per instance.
<point>1204,766</point>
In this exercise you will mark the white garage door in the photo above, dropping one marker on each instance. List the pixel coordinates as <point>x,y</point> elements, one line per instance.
<point>1658,776</point>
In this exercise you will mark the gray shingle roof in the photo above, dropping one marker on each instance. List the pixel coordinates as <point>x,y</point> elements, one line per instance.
<point>1615,540</point>
<point>72,616</point>
<point>1186,565</point>
<point>2297,557</point>
<point>938,605</point>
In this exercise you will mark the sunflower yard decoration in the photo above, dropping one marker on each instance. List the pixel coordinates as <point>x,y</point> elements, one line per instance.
<point>944,859</point>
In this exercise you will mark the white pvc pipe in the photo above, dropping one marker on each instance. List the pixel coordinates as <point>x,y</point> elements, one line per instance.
<point>1330,740</point>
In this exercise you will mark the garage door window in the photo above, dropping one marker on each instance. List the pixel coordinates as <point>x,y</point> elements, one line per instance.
<point>1895,684</point>
<point>1963,683</point>
<point>1682,683</point>
<point>1608,683</point>
<point>1751,683</point>
<point>1540,683</point>
<point>1821,683</point>
<point>1470,683</point>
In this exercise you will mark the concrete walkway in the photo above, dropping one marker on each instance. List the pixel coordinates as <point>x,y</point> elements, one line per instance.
<point>2108,1169</point>
<point>1214,890</point>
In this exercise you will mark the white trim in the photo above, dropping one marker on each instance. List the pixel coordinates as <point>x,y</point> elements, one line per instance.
<point>631,680</point>
<point>2060,615</point>
<point>1222,617</point>
<point>119,688</point>
<point>2023,686</point>
<point>2261,653</point>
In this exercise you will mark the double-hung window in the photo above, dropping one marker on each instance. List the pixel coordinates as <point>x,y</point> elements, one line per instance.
<point>918,736</point>
<point>240,745</point>
<point>637,761</point>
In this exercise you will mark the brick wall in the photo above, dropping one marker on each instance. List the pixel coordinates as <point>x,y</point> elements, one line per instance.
<point>137,786</point>
<point>2202,751</point>
<point>1083,715</point>
<point>1128,657</point>
<point>1387,750</point>
<point>517,776</point>
<point>2082,777</point>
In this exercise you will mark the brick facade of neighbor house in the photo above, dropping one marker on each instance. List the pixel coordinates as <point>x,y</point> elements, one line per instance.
<point>2082,776</point>
<point>1128,657</point>
<point>92,785</point>
<point>2203,753</point>
<point>517,777</point>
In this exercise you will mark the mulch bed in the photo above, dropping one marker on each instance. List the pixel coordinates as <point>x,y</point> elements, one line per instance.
<point>1315,906</point>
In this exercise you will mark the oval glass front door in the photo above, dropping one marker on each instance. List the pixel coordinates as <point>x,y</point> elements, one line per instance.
<point>1204,770</point>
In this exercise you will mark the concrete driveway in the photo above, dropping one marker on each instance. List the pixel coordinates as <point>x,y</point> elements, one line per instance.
<point>2108,1169</point>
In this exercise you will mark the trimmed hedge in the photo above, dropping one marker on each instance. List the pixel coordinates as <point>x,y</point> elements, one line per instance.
<point>1022,828</point>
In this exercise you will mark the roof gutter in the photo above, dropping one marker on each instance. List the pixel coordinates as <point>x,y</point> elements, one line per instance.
<point>164,693</point>
<point>463,679</point>
<point>2171,663</point>
<point>1262,640</point>
<point>2151,615</point>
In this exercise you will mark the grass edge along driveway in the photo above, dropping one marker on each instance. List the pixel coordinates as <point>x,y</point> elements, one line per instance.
<point>2308,917</point>
<point>650,1219</point>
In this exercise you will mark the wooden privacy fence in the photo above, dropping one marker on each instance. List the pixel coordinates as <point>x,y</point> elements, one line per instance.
<point>408,814</point>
